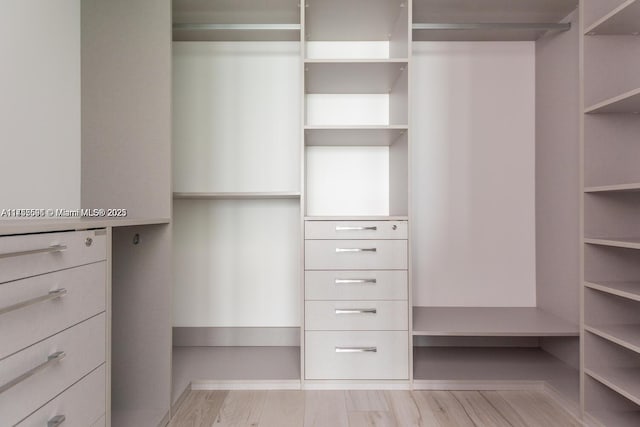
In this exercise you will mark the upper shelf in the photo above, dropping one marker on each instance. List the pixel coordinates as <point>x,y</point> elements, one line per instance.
<point>237,195</point>
<point>353,135</point>
<point>623,20</point>
<point>355,77</point>
<point>489,321</point>
<point>628,102</point>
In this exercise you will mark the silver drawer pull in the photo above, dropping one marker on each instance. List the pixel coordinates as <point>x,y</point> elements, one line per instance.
<point>56,421</point>
<point>58,293</point>
<point>52,359</point>
<point>339,250</point>
<point>356,311</point>
<point>342,228</point>
<point>351,281</point>
<point>48,250</point>
<point>356,349</point>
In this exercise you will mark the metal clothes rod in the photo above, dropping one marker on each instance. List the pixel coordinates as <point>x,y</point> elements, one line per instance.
<point>494,26</point>
<point>247,27</point>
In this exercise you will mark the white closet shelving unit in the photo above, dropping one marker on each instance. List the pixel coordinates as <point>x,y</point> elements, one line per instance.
<point>611,292</point>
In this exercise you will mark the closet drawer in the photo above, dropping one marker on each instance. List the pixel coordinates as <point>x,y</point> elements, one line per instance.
<point>355,230</point>
<point>83,348</point>
<point>76,294</point>
<point>356,315</point>
<point>83,404</point>
<point>355,285</point>
<point>33,254</point>
<point>355,254</point>
<point>356,355</point>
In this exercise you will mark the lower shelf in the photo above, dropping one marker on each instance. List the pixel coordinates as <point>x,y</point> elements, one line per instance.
<point>233,364</point>
<point>489,364</point>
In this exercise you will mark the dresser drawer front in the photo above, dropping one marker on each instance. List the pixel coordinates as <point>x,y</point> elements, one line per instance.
<point>350,356</point>
<point>356,285</point>
<point>356,230</point>
<point>356,316</point>
<point>82,293</point>
<point>83,404</point>
<point>355,254</point>
<point>33,254</point>
<point>84,349</point>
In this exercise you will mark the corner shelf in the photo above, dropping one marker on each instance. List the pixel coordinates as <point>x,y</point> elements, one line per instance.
<point>633,187</point>
<point>236,195</point>
<point>627,243</point>
<point>489,321</point>
<point>629,290</point>
<point>627,336</point>
<point>625,382</point>
<point>626,103</point>
<point>623,20</point>
<point>353,135</point>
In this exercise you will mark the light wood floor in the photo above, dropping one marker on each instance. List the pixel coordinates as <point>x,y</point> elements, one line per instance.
<point>370,408</point>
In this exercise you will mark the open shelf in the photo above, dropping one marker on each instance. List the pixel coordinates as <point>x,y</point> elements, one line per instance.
<point>489,321</point>
<point>625,19</point>
<point>628,243</point>
<point>361,77</point>
<point>616,418</point>
<point>353,135</point>
<point>237,195</point>
<point>629,290</point>
<point>627,336</point>
<point>624,381</point>
<point>613,188</point>
<point>628,103</point>
<point>607,407</point>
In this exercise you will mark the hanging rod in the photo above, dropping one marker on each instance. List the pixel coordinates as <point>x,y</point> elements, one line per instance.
<point>494,26</point>
<point>246,27</point>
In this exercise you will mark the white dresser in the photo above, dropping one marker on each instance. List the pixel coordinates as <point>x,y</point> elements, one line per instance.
<point>53,336</point>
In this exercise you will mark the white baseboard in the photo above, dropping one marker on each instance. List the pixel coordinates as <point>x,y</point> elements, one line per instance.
<point>246,385</point>
<point>477,385</point>
<point>355,385</point>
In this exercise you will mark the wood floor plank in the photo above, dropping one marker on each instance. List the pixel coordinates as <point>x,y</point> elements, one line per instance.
<point>325,409</point>
<point>481,412</point>
<point>441,409</point>
<point>242,408</point>
<point>200,408</point>
<point>506,410</point>
<point>537,409</point>
<point>404,408</point>
<point>366,400</point>
<point>372,419</point>
<point>283,408</point>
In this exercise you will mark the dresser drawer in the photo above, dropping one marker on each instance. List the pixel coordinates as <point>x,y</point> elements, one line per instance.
<point>355,254</point>
<point>83,404</point>
<point>77,294</point>
<point>356,285</point>
<point>356,316</point>
<point>356,230</point>
<point>33,254</point>
<point>83,348</point>
<point>356,355</point>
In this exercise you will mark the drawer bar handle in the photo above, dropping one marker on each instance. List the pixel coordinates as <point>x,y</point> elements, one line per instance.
<point>58,293</point>
<point>351,281</point>
<point>48,250</point>
<point>342,228</point>
<point>52,359</point>
<point>56,421</point>
<point>339,250</point>
<point>356,311</point>
<point>356,349</point>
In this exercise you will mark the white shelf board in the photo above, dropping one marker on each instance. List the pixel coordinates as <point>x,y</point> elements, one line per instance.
<point>624,19</point>
<point>627,336</point>
<point>616,418</point>
<point>624,381</point>
<point>629,290</point>
<point>489,321</point>
<point>486,364</point>
<point>237,195</point>
<point>480,34</point>
<point>233,364</point>
<point>357,218</point>
<point>613,188</point>
<point>353,135</point>
<point>22,226</point>
<point>628,243</point>
<point>628,103</point>
<point>239,35</point>
<point>353,77</point>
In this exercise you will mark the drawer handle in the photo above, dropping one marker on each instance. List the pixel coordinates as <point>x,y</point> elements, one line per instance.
<point>351,281</point>
<point>339,250</point>
<point>343,228</point>
<point>356,311</point>
<point>56,421</point>
<point>52,359</point>
<point>58,293</point>
<point>356,349</point>
<point>48,250</point>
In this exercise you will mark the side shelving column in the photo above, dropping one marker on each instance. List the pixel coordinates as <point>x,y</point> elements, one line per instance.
<point>611,212</point>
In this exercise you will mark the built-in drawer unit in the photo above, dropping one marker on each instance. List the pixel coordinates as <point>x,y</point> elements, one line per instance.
<point>359,355</point>
<point>82,404</point>
<point>35,375</point>
<point>30,255</point>
<point>356,316</point>
<point>355,254</point>
<point>379,230</point>
<point>35,308</point>
<point>356,285</point>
